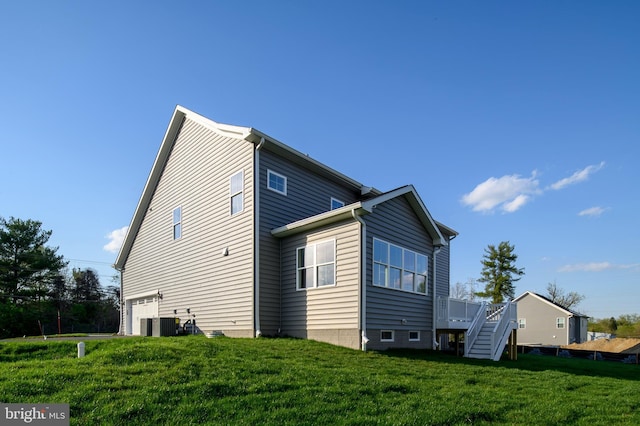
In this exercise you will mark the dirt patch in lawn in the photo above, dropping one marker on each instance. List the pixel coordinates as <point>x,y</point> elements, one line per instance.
<point>608,345</point>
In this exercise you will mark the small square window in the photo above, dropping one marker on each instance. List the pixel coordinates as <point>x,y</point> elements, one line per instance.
<point>386,335</point>
<point>414,336</point>
<point>276,182</point>
<point>522,323</point>
<point>336,204</point>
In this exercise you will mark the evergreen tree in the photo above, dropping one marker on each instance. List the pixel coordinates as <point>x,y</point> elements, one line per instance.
<point>27,265</point>
<point>499,272</point>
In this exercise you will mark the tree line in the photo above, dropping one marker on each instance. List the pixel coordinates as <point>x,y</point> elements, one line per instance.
<point>39,295</point>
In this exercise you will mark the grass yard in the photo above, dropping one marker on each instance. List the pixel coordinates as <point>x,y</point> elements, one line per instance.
<point>194,380</point>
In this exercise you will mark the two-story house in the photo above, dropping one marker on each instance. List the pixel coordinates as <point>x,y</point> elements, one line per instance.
<point>250,237</point>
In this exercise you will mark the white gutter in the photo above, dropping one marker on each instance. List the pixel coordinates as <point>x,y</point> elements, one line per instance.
<point>363,281</point>
<point>256,240</point>
<point>436,250</point>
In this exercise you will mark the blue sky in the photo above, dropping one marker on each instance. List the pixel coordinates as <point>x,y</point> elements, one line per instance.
<point>515,121</point>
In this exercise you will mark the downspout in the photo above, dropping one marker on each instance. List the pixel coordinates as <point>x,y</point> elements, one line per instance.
<point>256,240</point>
<point>363,281</point>
<point>121,332</point>
<point>436,250</point>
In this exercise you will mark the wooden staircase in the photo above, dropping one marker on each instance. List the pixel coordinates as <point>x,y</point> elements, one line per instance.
<point>481,348</point>
<point>490,331</point>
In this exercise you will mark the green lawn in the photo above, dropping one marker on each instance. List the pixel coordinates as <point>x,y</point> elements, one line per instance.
<point>194,380</point>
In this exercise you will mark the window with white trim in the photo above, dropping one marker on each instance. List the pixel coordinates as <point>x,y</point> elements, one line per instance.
<point>177,223</point>
<point>399,268</point>
<point>522,323</point>
<point>560,322</point>
<point>277,182</point>
<point>414,336</point>
<point>316,265</point>
<point>387,335</point>
<point>336,204</point>
<point>236,188</point>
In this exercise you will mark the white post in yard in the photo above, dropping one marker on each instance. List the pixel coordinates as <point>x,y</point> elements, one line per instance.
<point>81,350</point>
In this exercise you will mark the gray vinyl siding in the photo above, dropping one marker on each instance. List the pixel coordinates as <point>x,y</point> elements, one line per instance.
<point>324,308</point>
<point>395,222</point>
<point>442,271</point>
<point>308,194</point>
<point>192,272</point>
<point>541,322</point>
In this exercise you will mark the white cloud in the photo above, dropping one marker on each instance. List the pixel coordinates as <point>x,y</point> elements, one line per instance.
<point>510,192</point>
<point>116,237</point>
<point>579,176</point>
<point>592,211</point>
<point>596,267</point>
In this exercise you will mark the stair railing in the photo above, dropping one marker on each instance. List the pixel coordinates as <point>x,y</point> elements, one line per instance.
<point>506,321</point>
<point>474,329</point>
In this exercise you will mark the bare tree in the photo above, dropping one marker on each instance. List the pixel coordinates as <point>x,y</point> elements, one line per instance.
<point>566,300</point>
<point>459,291</point>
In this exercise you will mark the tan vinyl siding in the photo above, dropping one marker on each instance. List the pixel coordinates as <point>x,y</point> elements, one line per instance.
<point>308,194</point>
<point>395,222</point>
<point>325,313</point>
<point>541,322</point>
<point>192,272</point>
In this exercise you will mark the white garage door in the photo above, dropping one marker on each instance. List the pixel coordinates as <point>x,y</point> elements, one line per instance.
<point>142,308</point>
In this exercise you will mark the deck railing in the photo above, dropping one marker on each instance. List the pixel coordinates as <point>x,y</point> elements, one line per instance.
<point>456,313</point>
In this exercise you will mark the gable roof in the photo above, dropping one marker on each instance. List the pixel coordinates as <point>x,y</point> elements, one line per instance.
<point>261,141</point>
<point>366,207</point>
<point>550,302</point>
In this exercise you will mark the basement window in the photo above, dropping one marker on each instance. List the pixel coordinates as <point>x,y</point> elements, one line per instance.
<point>414,336</point>
<point>386,335</point>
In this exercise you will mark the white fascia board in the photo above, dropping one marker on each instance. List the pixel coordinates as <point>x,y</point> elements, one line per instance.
<point>313,222</point>
<point>146,294</point>
<point>152,181</point>
<point>548,302</point>
<point>238,132</point>
<point>179,115</point>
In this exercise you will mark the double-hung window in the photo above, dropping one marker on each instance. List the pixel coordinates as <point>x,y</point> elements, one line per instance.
<point>177,223</point>
<point>560,322</point>
<point>316,265</point>
<point>399,268</point>
<point>277,182</point>
<point>236,186</point>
